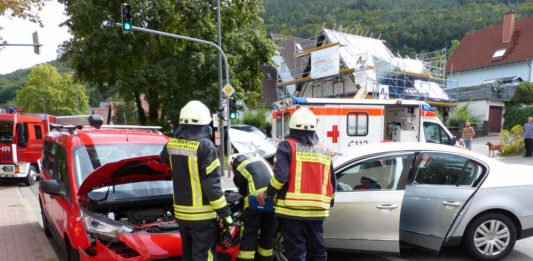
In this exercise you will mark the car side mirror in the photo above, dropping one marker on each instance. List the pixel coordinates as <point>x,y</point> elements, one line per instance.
<point>453,141</point>
<point>50,187</point>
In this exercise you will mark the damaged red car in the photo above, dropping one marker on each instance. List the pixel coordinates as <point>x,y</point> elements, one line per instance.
<point>104,195</point>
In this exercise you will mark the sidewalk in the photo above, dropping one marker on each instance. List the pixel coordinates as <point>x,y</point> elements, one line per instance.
<point>21,236</point>
<point>479,146</point>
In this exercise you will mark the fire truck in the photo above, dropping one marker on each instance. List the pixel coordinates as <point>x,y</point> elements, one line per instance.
<point>21,146</point>
<point>344,124</point>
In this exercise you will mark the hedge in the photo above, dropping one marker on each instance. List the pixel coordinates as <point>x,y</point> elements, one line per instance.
<point>516,115</point>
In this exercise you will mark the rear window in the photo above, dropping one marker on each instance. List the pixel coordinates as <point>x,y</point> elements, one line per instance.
<point>6,131</point>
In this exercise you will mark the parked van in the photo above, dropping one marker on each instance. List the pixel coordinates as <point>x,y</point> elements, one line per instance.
<point>347,123</point>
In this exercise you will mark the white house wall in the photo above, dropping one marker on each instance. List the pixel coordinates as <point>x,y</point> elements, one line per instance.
<point>477,76</point>
<point>480,108</point>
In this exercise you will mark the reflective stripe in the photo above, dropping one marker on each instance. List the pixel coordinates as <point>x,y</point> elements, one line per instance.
<point>264,252</point>
<point>315,157</point>
<point>246,254</point>
<point>298,178</point>
<point>247,175</point>
<point>175,151</point>
<point>191,209</point>
<point>219,203</point>
<point>209,255</point>
<point>308,196</point>
<point>189,145</point>
<point>326,182</point>
<point>275,183</point>
<point>298,203</point>
<point>196,186</point>
<point>196,216</point>
<point>212,166</point>
<point>301,213</point>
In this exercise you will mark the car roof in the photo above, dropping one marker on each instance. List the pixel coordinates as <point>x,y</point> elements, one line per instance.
<point>109,136</point>
<point>386,147</point>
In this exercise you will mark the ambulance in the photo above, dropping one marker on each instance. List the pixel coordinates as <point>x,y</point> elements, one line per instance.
<point>344,124</point>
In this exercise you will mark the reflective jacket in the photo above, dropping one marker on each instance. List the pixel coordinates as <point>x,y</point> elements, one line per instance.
<point>251,175</point>
<point>304,179</point>
<point>195,174</point>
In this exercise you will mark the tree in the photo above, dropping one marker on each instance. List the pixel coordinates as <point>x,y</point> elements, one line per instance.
<point>523,94</point>
<point>24,9</point>
<point>455,43</point>
<point>49,91</point>
<point>167,71</point>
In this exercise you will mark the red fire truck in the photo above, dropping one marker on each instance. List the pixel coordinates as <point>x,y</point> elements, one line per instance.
<point>21,146</point>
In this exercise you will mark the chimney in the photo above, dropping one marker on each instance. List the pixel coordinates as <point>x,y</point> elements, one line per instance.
<point>508,26</point>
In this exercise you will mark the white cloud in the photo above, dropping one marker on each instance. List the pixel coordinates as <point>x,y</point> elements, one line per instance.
<point>18,31</point>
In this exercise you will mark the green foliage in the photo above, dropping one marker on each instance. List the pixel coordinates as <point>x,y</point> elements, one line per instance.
<point>523,94</point>
<point>257,118</point>
<point>513,142</point>
<point>125,113</point>
<point>47,90</point>
<point>455,43</point>
<point>516,115</point>
<point>167,71</point>
<point>460,113</point>
<point>408,26</point>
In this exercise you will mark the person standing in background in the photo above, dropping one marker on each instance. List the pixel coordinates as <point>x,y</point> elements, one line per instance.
<point>528,137</point>
<point>467,135</point>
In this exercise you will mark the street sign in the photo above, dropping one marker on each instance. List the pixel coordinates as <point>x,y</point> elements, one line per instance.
<point>228,90</point>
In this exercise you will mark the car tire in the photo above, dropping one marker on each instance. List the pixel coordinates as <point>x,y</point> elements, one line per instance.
<point>46,228</point>
<point>279,248</point>
<point>490,237</point>
<point>72,254</point>
<point>31,177</point>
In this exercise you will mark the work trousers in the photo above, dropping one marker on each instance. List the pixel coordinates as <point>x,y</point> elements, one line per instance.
<point>198,239</point>
<point>257,224</point>
<point>529,146</point>
<point>303,239</point>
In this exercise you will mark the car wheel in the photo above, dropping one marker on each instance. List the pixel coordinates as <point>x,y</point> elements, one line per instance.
<point>72,254</point>
<point>490,237</point>
<point>279,249</point>
<point>45,222</point>
<point>31,178</point>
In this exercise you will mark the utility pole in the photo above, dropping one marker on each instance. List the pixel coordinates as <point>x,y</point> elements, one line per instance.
<point>220,96</point>
<point>36,45</point>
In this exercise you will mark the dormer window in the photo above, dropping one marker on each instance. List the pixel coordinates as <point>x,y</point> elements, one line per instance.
<point>499,53</point>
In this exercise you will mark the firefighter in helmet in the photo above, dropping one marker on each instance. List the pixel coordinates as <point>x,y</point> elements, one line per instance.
<point>252,175</point>
<point>304,186</point>
<point>198,196</point>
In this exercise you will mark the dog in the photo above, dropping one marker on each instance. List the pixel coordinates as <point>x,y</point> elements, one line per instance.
<point>494,147</point>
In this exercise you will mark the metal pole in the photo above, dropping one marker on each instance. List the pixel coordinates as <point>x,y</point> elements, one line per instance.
<point>220,96</point>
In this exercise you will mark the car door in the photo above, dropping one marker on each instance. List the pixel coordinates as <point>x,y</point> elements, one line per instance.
<point>366,214</point>
<point>439,186</point>
<point>61,204</point>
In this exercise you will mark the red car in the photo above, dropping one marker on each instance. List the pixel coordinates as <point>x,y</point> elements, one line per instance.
<point>104,195</point>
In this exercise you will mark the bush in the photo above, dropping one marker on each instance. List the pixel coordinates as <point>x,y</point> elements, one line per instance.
<point>516,115</point>
<point>513,142</point>
<point>523,93</point>
<point>460,114</point>
<point>256,119</point>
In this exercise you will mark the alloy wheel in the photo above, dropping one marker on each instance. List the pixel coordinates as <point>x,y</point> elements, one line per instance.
<point>279,249</point>
<point>492,237</point>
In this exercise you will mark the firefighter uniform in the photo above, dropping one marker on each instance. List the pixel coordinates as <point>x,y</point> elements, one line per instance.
<point>252,175</point>
<point>304,186</point>
<point>198,196</point>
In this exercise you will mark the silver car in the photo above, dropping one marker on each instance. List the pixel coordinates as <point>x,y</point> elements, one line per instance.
<point>429,196</point>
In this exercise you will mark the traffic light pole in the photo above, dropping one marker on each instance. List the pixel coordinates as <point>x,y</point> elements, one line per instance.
<point>196,40</point>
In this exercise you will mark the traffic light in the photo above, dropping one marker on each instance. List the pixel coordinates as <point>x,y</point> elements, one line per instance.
<point>126,17</point>
<point>232,108</point>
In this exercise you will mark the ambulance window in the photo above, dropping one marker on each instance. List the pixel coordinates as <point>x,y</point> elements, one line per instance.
<point>357,124</point>
<point>38,132</point>
<point>279,127</point>
<point>434,133</point>
<point>286,119</point>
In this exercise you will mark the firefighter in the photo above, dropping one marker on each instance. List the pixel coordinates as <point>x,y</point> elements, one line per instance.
<point>252,175</point>
<point>304,186</point>
<point>198,196</point>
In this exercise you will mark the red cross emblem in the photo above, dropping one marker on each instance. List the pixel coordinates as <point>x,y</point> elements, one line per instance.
<point>334,134</point>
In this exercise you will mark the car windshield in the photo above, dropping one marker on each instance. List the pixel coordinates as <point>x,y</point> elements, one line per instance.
<point>6,131</point>
<point>88,158</point>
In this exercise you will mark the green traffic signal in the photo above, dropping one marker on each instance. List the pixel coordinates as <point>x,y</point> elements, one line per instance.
<point>233,115</point>
<point>126,17</point>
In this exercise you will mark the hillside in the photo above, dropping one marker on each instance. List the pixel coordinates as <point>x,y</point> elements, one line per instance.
<point>408,26</point>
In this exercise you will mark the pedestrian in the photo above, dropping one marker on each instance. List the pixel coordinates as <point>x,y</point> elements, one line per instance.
<point>528,137</point>
<point>198,196</point>
<point>251,175</point>
<point>304,187</point>
<point>467,135</point>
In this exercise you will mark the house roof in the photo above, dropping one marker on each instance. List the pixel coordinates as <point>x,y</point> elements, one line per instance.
<point>269,86</point>
<point>477,48</point>
<point>287,48</point>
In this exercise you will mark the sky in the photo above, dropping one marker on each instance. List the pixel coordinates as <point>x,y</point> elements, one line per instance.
<point>19,31</point>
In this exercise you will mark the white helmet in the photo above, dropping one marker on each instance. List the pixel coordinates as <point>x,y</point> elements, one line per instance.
<point>195,113</point>
<point>303,119</point>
